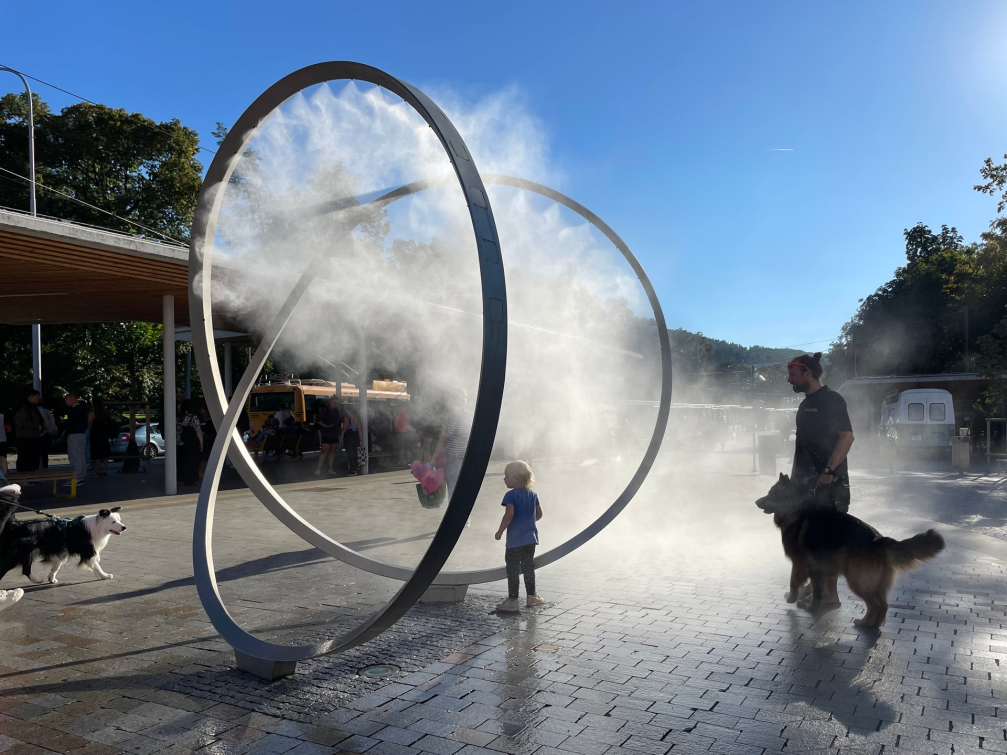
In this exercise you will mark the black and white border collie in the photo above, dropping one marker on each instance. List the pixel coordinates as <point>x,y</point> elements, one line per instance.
<point>8,494</point>
<point>52,543</point>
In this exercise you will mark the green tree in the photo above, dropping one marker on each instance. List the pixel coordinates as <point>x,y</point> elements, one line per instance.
<point>143,171</point>
<point>996,180</point>
<point>913,323</point>
<point>992,364</point>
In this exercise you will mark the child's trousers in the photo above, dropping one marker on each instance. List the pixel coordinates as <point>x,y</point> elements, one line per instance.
<point>520,560</point>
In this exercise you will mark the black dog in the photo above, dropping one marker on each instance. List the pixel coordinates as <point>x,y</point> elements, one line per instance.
<point>823,543</point>
<point>53,542</point>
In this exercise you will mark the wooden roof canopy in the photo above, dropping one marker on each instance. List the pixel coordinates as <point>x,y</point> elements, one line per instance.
<point>56,272</point>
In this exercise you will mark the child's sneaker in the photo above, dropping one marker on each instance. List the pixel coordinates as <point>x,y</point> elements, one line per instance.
<point>534,600</point>
<point>510,605</point>
<point>10,597</point>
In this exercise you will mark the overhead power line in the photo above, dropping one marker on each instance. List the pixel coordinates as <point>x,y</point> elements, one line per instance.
<point>91,102</point>
<point>127,221</point>
<point>809,343</point>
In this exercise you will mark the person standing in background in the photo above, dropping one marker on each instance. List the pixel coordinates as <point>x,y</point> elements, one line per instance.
<point>189,440</point>
<point>4,446</point>
<point>51,431</point>
<point>350,440</point>
<point>330,424</point>
<point>30,428</point>
<point>453,438</point>
<point>76,436</point>
<point>102,430</point>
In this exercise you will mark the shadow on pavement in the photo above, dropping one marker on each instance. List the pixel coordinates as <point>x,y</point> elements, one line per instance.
<point>258,566</point>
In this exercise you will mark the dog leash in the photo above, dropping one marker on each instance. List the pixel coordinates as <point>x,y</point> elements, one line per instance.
<point>53,517</point>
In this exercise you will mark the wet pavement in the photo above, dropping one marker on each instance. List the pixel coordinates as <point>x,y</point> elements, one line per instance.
<point>666,633</point>
<point>118,487</point>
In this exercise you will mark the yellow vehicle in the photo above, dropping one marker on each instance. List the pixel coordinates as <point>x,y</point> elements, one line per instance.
<point>301,397</point>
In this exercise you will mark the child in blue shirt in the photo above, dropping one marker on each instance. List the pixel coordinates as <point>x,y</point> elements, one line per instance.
<point>521,512</point>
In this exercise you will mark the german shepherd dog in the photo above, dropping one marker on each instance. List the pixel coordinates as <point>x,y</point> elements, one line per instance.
<point>823,543</point>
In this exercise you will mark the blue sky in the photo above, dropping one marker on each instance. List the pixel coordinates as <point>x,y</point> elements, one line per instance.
<point>661,117</point>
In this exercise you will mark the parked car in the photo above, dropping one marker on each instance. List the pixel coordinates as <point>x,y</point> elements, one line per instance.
<point>149,450</point>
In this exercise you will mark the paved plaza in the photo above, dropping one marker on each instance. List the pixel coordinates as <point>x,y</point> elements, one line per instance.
<point>667,633</point>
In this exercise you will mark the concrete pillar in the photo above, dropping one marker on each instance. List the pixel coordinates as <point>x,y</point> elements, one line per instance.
<point>168,421</point>
<point>228,371</point>
<point>36,356</point>
<point>363,383</point>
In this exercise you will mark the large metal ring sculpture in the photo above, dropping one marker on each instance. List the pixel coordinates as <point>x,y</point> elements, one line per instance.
<point>271,659</point>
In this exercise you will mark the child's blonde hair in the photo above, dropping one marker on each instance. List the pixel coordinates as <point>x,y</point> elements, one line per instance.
<point>521,471</point>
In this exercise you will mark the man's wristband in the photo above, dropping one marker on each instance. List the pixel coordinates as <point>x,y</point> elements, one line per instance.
<point>828,471</point>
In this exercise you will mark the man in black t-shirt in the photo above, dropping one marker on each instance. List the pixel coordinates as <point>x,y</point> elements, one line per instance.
<point>824,435</point>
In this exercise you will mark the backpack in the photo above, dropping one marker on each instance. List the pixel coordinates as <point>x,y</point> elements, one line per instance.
<point>189,436</point>
<point>49,422</point>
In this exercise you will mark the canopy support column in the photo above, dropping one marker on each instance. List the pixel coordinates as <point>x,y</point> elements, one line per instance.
<point>168,420</point>
<point>363,383</point>
<point>36,356</point>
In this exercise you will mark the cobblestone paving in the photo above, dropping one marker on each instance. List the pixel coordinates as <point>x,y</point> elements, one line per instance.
<point>975,501</point>
<point>666,634</point>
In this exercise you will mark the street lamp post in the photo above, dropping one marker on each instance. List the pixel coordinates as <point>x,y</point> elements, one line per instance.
<point>755,439</point>
<point>31,138</point>
<point>36,329</point>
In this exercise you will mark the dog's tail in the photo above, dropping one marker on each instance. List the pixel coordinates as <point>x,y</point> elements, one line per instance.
<point>905,554</point>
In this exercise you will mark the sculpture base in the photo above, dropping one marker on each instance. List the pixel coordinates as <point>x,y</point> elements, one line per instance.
<point>444,594</point>
<point>268,670</point>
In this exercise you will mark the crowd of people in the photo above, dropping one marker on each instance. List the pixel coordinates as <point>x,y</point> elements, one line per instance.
<point>32,430</point>
<point>336,427</point>
<point>91,432</point>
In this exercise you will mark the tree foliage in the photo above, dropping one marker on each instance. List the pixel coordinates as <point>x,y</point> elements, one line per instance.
<point>915,323</point>
<point>143,171</point>
<point>996,180</point>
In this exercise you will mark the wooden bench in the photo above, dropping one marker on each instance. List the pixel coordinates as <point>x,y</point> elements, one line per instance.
<point>45,475</point>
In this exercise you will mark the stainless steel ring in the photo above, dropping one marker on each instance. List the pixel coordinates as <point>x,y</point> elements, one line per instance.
<point>664,405</point>
<point>488,396</point>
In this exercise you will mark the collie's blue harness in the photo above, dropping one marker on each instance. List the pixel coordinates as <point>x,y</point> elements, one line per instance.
<point>62,521</point>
